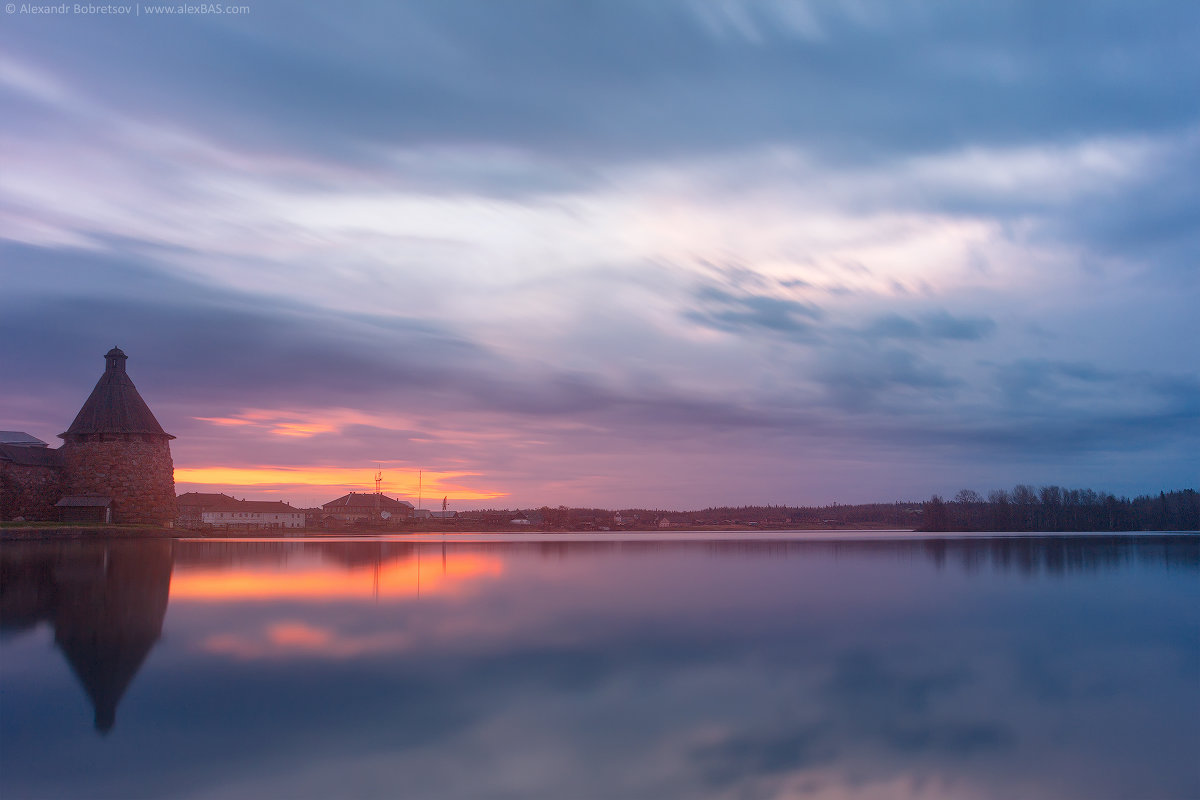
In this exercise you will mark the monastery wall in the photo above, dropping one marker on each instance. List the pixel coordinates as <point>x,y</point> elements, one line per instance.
<point>29,491</point>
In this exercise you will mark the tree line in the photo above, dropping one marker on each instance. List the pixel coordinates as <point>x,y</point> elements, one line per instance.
<point>1053,508</point>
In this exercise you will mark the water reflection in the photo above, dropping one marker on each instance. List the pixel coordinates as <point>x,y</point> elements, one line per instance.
<point>1065,667</point>
<point>287,573</point>
<point>1020,552</point>
<point>105,600</point>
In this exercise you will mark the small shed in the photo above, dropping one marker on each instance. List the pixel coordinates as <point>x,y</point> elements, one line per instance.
<point>85,508</point>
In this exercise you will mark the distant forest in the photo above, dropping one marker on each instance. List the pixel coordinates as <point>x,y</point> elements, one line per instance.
<point>1023,508</point>
<point>1052,508</point>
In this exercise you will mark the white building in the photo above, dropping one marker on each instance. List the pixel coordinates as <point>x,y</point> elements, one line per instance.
<point>222,511</point>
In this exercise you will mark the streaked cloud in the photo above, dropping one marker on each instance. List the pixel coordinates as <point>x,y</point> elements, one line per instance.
<point>549,248</point>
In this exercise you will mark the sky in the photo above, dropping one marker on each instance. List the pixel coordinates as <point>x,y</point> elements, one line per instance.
<point>615,254</point>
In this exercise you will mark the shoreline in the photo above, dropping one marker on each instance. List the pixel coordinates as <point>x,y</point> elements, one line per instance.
<point>84,533</point>
<point>26,532</point>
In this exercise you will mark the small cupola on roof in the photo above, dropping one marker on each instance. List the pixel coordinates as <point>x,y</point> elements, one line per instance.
<point>115,405</point>
<point>116,449</point>
<point>114,360</point>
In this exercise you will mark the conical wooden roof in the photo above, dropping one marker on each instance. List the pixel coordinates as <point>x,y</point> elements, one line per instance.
<point>115,406</point>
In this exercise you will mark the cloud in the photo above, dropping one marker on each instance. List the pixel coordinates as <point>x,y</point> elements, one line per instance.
<point>632,81</point>
<point>861,379</point>
<point>736,314</point>
<point>422,393</point>
<point>521,238</point>
<point>933,326</point>
<point>1022,378</point>
<point>212,341</point>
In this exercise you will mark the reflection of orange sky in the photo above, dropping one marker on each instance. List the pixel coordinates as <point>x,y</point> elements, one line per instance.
<point>392,579</point>
<point>292,638</point>
<point>396,480</point>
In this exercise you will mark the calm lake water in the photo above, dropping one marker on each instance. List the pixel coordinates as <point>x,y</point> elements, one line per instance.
<point>645,666</point>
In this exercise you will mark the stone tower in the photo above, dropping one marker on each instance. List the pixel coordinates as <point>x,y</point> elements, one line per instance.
<point>116,448</point>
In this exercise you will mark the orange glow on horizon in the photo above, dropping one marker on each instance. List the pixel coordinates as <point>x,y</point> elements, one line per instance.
<point>225,420</point>
<point>305,422</point>
<point>392,579</point>
<point>402,481</point>
<point>276,426</point>
<point>301,429</point>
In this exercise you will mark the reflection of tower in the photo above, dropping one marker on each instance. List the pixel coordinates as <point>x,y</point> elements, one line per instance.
<point>106,600</point>
<point>115,448</point>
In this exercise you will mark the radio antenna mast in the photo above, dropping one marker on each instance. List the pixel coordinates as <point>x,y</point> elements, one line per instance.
<point>378,480</point>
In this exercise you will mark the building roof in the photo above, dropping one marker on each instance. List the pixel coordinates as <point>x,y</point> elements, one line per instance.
<point>257,506</point>
<point>365,500</point>
<point>84,501</point>
<point>202,499</point>
<point>207,501</point>
<point>115,406</point>
<point>21,438</point>
<point>31,456</point>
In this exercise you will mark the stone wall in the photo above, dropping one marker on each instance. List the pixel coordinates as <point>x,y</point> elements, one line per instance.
<point>135,470</point>
<point>29,491</point>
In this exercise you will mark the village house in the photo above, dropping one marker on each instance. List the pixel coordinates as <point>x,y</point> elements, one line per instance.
<point>207,510</point>
<point>363,508</point>
<point>425,513</point>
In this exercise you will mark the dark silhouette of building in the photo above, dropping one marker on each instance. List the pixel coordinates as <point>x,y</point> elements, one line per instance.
<point>116,448</point>
<point>114,456</point>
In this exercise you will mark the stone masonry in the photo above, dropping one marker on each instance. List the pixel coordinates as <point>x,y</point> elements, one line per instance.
<point>135,470</point>
<point>29,491</point>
